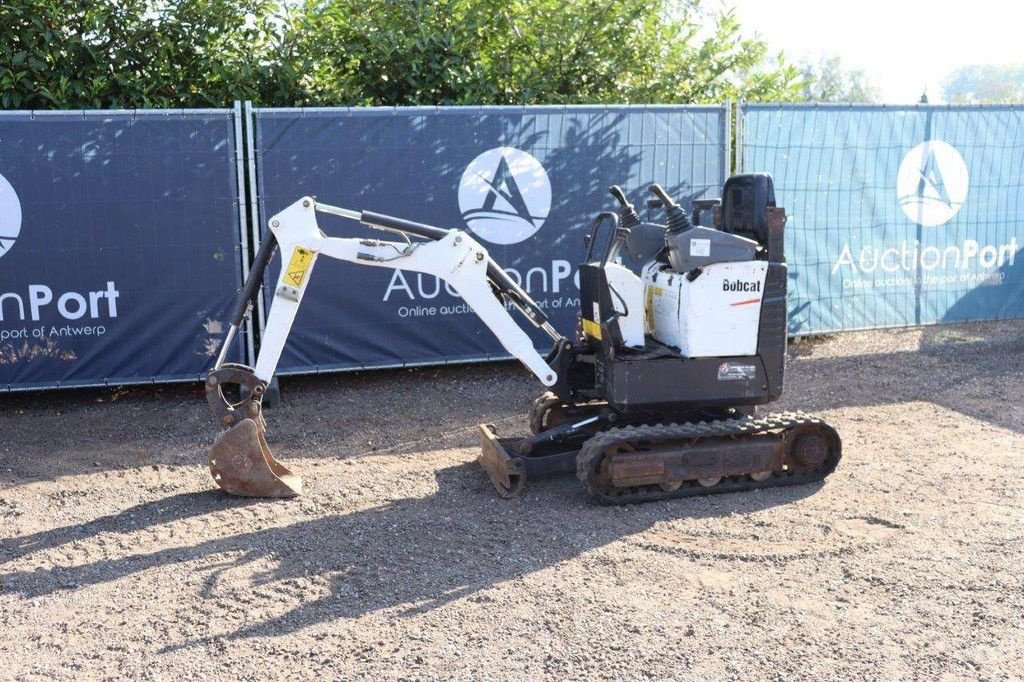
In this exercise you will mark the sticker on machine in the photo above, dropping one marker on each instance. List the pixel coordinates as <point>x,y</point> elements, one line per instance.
<point>298,266</point>
<point>700,247</point>
<point>733,371</point>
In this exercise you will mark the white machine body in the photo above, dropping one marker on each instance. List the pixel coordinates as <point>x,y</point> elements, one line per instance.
<point>627,294</point>
<point>716,314</point>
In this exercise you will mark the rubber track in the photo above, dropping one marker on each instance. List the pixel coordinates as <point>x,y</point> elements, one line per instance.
<point>595,447</point>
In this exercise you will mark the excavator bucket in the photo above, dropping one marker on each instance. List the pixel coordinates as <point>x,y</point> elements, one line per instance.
<point>242,464</point>
<point>240,461</point>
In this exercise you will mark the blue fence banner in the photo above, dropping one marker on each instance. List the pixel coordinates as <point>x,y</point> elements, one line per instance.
<point>525,181</point>
<point>899,216</point>
<point>119,245</point>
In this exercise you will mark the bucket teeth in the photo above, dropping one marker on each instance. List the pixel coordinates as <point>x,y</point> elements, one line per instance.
<point>241,464</point>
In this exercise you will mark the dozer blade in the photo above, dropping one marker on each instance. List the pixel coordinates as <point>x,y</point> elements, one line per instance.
<point>507,473</point>
<point>241,464</point>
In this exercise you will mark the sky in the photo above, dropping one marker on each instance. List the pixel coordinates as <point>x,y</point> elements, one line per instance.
<point>903,46</point>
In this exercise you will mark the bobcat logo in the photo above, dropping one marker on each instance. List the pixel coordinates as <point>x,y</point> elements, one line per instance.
<point>504,195</point>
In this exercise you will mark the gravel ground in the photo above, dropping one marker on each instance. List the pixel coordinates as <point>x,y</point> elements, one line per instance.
<point>119,559</point>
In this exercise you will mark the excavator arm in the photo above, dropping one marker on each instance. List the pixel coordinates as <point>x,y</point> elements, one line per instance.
<point>240,460</point>
<point>452,255</point>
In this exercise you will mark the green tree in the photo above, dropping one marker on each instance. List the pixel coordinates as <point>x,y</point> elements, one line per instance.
<point>986,84</point>
<point>533,51</point>
<point>160,53</point>
<point>141,53</point>
<point>827,80</point>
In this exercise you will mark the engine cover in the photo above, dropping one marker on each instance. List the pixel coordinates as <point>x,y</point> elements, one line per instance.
<point>714,312</point>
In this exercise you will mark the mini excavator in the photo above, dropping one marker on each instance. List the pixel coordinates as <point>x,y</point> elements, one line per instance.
<point>681,336</point>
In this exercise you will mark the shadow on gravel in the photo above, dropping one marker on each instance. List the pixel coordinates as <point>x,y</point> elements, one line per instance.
<point>973,374</point>
<point>336,416</point>
<point>159,512</point>
<point>416,554</point>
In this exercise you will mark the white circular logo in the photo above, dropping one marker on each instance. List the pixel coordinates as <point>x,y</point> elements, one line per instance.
<point>504,195</point>
<point>932,183</point>
<point>10,216</point>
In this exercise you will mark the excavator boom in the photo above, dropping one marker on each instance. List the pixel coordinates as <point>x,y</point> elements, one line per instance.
<point>241,461</point>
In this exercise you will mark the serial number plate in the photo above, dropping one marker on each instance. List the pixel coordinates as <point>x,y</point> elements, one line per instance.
<point>732,371</point>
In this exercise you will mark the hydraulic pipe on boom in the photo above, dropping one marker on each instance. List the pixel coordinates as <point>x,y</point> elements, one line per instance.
<point>499,278</point>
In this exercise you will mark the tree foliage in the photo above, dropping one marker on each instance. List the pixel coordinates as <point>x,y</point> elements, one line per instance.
<point>535,51</point>
<point>139,53</point>
<point>986,84</point>
<point>158,53</point>
<point>829,81</point>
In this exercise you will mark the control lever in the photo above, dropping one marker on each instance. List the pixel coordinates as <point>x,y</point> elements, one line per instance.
<point>628,217</point>
<point>677,218</point>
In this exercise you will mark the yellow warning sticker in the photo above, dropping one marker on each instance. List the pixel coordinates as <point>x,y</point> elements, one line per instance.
<point>592,329</point>
<point>649,313</point>
<point>298,266</point>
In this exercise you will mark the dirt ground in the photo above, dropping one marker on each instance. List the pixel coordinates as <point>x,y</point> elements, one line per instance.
<point>118,558</point>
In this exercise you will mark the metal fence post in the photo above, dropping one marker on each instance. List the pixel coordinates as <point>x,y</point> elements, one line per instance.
<point>727,140</point>
<point>243,217</point>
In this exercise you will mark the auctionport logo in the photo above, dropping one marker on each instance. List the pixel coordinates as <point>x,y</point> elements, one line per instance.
<point>932,186</point>
<point>932,183</point>
<point>504,195</point>
<point>10,216</point>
